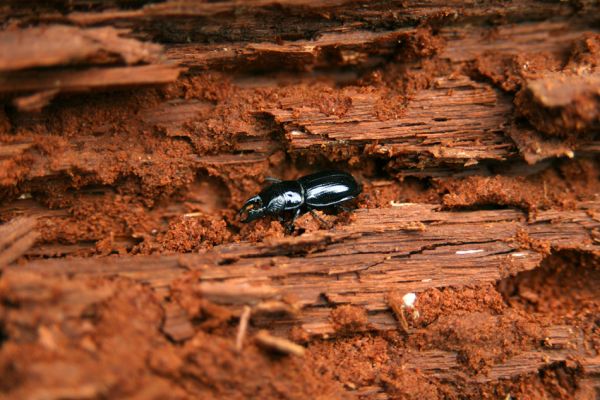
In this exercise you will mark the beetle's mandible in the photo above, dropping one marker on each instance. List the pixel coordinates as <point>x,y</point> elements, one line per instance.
<point>318,191</point>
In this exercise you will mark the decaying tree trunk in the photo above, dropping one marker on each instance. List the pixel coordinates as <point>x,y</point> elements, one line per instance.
<point>130,133</point>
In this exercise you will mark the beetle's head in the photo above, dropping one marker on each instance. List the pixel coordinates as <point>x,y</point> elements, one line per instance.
<point>253,209</point>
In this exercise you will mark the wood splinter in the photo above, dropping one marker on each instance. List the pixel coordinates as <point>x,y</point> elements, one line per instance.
<point>284,346</point>
<point>243,328</point>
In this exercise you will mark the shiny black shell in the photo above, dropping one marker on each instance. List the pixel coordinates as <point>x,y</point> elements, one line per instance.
<point>328,188</point>
<point>282,196</point>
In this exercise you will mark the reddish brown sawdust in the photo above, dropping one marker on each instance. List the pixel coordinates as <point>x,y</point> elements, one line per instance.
<point>123,223</point>
<point>97,334</point>
<point>192,233</point>
<point>560,186</point>
<point>138,181</point>
<point>435,303</point>
<point>348,318</point>
<point>480,339</point>
<point>565,290</point>
<point>78,350</point>
<point>475,323</point>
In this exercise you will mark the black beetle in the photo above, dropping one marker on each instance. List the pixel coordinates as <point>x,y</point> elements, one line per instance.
<point>311,192</point>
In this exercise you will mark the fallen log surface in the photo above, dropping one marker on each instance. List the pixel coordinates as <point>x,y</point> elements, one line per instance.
<point>409,248</point>
<point>131,132</point>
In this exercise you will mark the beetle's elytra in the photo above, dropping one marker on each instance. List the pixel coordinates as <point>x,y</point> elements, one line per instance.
<point>311,192</point>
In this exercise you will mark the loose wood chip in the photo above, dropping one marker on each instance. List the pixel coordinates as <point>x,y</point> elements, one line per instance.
<point>281,345</point>
<point>243,328</point>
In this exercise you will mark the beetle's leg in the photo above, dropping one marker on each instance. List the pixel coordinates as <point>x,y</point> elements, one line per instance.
<point>290,227</point>
<point>344,208</point>
<point>321,220</point>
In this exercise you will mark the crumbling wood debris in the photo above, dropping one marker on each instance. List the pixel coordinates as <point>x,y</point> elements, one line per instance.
<point>88,79</point>
<point>410,131</point>
<point>59,45</point>
<point>356,263</point>
<point>297,17</point>
<point>176,325</point>
<point>433,260</point>
<point>331,49</point>
<point>48,60</point>
<point>387,89</point>
<point>47,299</point>
<point>420,134</point>
<point>562,104</point>
<point>473,114</point>
<point>444,365</point>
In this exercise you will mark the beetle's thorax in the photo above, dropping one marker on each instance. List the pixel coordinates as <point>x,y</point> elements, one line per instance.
<point>282,196</point>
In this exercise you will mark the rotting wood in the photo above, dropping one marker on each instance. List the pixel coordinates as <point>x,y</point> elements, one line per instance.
<point>444,365</point>
<point>322,269</point>
<point>345,48</point>
<point>534,147</point>
<point>358,263</point>
<point>58,45</point>
<point>473,114</point>
<point>518,41</point>
<point>484,140</point>
<point>353,46</point>
<point>298,16</point>
<point>562,103</point>
<point>58,58</point>
<point>16,237</point>
<point>92,78</point>
<point>431,141</point>
<point>58,296</point>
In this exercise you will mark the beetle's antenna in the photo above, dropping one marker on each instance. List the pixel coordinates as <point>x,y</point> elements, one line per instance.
<point>272,179</point>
